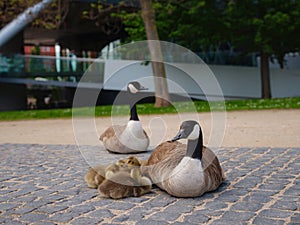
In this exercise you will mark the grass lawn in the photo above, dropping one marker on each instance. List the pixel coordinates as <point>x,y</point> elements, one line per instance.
<point>199,106</point>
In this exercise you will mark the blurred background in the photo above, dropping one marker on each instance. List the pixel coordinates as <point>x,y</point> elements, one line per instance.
<point>252,46</point>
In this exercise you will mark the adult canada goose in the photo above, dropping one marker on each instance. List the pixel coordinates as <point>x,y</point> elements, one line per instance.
<point>185,170</point>
<point>130,138</point>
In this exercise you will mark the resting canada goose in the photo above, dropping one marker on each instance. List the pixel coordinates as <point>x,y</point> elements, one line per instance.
<point>131,137</point>
<point>124,179</point>
<point>185,170</point>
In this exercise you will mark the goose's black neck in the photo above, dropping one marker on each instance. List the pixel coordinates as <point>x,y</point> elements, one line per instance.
<point>194,147</point>
<point>133,112</point>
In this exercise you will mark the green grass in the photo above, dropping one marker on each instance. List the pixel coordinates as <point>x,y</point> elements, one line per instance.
<point>199,106</point>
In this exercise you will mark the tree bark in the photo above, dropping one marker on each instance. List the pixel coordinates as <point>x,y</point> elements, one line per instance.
<point>265,75</point>
<point>162,97</point>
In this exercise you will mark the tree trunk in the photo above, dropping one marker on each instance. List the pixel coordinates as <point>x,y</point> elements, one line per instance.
<point>162,97</point>
<point>265,75</point>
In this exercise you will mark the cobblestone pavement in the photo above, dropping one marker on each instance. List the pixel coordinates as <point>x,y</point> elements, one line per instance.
<point>43,184</point>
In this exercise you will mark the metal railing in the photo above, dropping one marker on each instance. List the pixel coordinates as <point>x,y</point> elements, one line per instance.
<point>51,68</point>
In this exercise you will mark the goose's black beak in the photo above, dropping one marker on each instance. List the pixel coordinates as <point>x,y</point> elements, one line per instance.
<point>178,136</point>
<point>141,88</point>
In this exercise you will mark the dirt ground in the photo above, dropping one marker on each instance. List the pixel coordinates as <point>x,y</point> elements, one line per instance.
<point>267,128</point>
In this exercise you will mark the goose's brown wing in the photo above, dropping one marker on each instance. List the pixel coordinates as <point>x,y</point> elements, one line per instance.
<point>213,171</point>
<point>111,131</point>
<point>163,151</point>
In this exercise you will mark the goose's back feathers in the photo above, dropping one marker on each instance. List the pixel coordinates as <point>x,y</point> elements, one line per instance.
<point>128,138</point>
<point>166,150</point>
<point>214,174</point>
<point>110,132</point>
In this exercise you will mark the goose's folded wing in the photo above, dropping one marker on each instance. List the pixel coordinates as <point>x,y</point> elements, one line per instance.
<point>111,131</point>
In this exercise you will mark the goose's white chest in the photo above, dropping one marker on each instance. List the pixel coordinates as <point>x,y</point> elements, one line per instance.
<point>133,136</point>
<point>187,178</point>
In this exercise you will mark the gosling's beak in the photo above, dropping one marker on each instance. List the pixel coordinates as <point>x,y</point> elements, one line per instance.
<point>178,136</point>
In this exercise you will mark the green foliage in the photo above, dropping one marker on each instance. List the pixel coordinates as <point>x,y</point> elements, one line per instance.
<point>49,18</point>
<point>134,24</point>
<point>10,9</point>
<point>271,26</point>
<point>251,26</point>
<point>200,106</point>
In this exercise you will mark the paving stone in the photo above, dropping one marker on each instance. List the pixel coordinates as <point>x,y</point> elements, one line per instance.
<point>100,202</point>
<point>198,217</point>
<point>216,205</point>
<point>33,217</point>
<point>62,217</point>
<point>272,186</point>
<point>293,191</point>
<point>228,198</point>
<point>159,201</point>
<point>85,220</point>
<point>47,223</point>
<point>259,151</point>
<point>23,210</point>
<point>100,213</point>
<point>295,219</point>
<point>50,209</point>
<point>121,218</point>
<point>210,213</point>
<point>180,207</point>
<point>286,205</point>
<point>6,206</point>
<point>221,222</point>
<point>267,221</point>
<point>259,196</point>
<point>138,213</point>
<point>165,216</point>
<point>247,206</point>
<point>275,213</point>
<point>14,222</point>
<point>237,216</point>
<point>184,223</point>
<point>236,191</point>
<point>151,222</point>
<point>121,205</point>
<point>250,182</point>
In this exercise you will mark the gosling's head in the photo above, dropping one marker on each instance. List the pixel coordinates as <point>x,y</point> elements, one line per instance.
<point>121,163</point>
<point>133,161</point>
